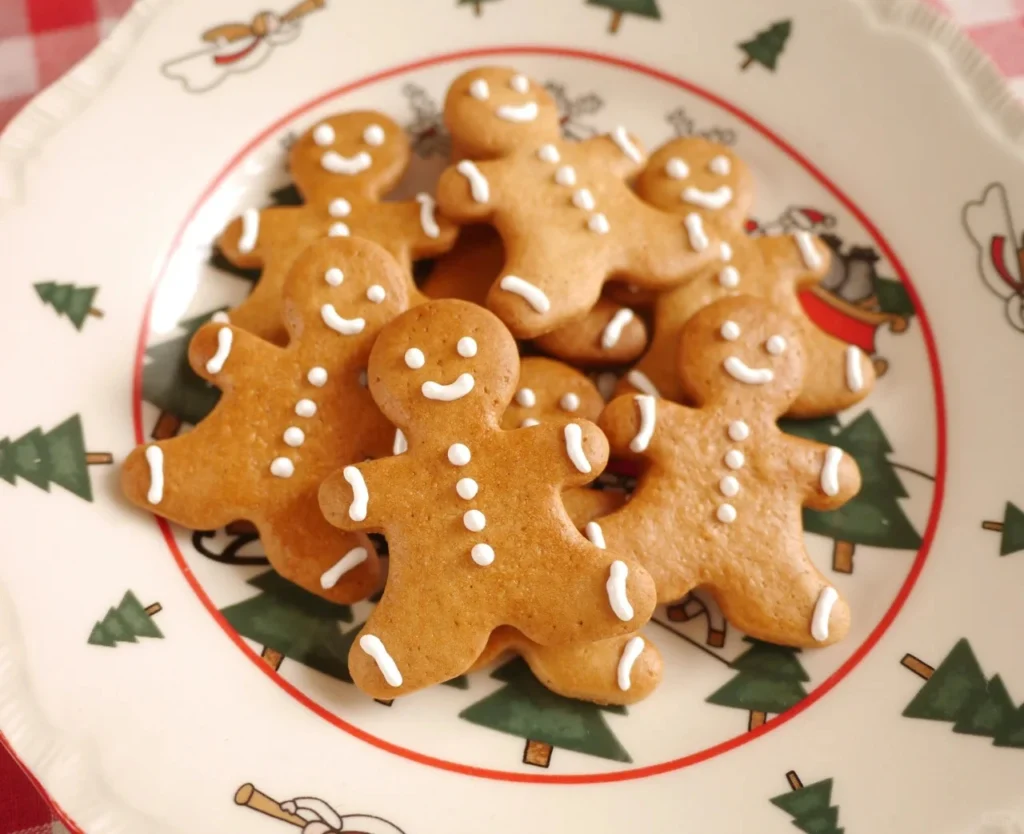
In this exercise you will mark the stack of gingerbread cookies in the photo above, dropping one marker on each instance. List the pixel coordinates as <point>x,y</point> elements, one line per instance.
<point>455,418</point>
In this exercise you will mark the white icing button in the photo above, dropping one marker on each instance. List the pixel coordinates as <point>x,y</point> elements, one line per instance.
<point>598,224</point>
<point>466,347</point>
<point>566,175</point>
<point>677,169</point>
<point>480,90</point>
<point>414,358</point>
<point>305,408</point>
<point>548,153</point>
<point>730,331</point>
<point>726,513</point>
<point>339,207</point>
<point>374,135</point>
<point>323,135</point>
<point>220,317</point>
<point>519,83</point>
<point>729,277</point>
<point>738,430</point>
<point>338,229</point>
<point>725,251</point>
<point>529,422</point>
<point>483,554</point>
<point>458,454</point>
<point>734,459</point>
<point>526,398</point>
<point>317,376</point>
<point>729,486</point>
<point>294,436</point>
<point>282,468</point>
<point>376,293</point>
<point>583,199</point>
<point>720,165</point>
<point>467,488</point>
<point>775,345</point>
<point>334,276</point>
<point>569,402</point>
<point>474,521</point>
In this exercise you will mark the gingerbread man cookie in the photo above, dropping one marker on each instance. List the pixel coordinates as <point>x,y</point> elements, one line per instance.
<point>773,268</point>
<point>477,534</point>
<point>342,167</point>
<point>610,334</point>
<point>287,419</point>
<point>566,215</point>
<point>720,503</point>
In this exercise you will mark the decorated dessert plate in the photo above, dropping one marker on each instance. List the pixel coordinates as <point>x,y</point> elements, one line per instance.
<point>156,679</point>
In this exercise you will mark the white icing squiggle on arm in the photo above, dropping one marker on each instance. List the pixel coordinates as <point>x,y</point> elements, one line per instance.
<point>808,252</point>
<point>630,654</point>
<point>574,446</point>
<point>616,587</point>
<point>427,220</point>
<point>478,185</point>
<point>351,560</point>
<point>854,374</point>
<point>375,649</point>
<point>830,471</point>
<point>613,330</point>
<point>216,362</point>
<point>250,230</point>
<point>594,532</point>
<point>822,612</point>
<point>534,296</point>
<point>155,459</point>
<point>360,495</point>
<point>621,138</point>
<point>646,404</point>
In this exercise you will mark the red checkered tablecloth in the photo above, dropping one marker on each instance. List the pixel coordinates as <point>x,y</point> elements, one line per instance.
<point>41,39</point>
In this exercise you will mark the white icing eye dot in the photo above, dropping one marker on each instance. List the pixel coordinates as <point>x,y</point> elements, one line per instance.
<point>738,430</point>
<point>339,207</point>
<point>334,276</point>
<point>569,402</point>
<point>548,153</point>
<point>730,331</point>
<point>376,293</point>
<point>720,165</point>
<point>466,347</point>
<point>458,454</point>
<point>677,169</point>
<point>414,358</point>
<point>323,135</point>
<point>480,90</point>
<point>775,345</point>
<point>294,436</point>
<point>317,376</point>
<point>526,398</point>
<point>519,83</point>
<point>374,135</point>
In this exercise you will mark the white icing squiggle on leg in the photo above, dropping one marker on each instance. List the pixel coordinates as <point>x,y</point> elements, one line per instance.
<point>360,495</point>
<point>616,588</point>
<point>351,560</point>
<point>642,382</point>
<point>250,231</point>
<point>534,296</point>
<point>830,470</point>
<point>216,362</point>
<point>574,446</point>
<point>854,374</point>
<point>646,404</point>
<point>822,611</point>
<point>613,330</point>
<point>630,654</point>
<point>478,185</point>
<point>375,649</point>
<point>155,459</point>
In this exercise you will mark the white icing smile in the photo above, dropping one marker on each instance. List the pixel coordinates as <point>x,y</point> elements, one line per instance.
<point>348,165</point>
<point>344,326</point>
<point>741,371</point>
<point>452,391</point>
<point>518,112</point>
<point>719,198</point>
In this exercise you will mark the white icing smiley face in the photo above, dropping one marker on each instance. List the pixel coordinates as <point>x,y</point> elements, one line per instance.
<point>519,112</point>
<point>718,197</point>
<point>325,136</point>
<point>464,383</point>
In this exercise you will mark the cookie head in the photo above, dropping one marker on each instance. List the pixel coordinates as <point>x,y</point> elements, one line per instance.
<point>362,152</point>
<point>742,350</point>
<point>444,365</point>
<point>493,111</point>
<point>551,391</point>
<point>693,174</point>
<point>340,293</point>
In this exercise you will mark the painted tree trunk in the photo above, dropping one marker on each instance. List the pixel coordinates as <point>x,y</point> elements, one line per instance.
<point>757,718</point>
<point>994,526</point>
<point>476,8</point>
<point>918,666</point>
<point>98,458</point>
<point>537,753</point>
<point>613,27</point>
<point>842,556</point>
<point>746,63</point>
<point>250,797</point>
<point>155,608</point>
<point>794,781</point>
<point>272,657</point>
<point>95,312</point>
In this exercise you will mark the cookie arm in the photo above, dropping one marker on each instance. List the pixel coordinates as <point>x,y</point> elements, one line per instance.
<point>619,152</point>
<point>799,259</point>
<point>242,242</point>
<point>630,423</point>
<point>466,193</point>
<point>579,447</point>
<point>666,249</point>
<point>432,234</point>
<point>830,476</point>
<point>225,355</point>
<point>837,376</point>
<point>355,497</point>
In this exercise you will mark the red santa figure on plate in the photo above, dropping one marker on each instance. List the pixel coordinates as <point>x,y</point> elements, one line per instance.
<point>237,47</point>
<point>990,227</point>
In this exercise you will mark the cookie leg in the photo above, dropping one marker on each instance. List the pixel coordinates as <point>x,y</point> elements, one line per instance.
<point>784,602</point>
<point>838,376</point>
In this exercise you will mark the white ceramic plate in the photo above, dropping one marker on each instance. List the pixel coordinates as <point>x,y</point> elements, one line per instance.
<point>123,686</point>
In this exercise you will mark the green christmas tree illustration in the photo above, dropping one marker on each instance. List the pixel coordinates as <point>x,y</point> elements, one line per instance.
<point>641,8</point>
<point>810,807</point>
<point>69,300</point>
<point>874,517</point>
<point>126,623</point>
<point>525,708</point>
<point>291,622</point>
<point>169,383</point>
<point>893,298</point>
<point>957,692</point>
<point>770,681</point>
<point>476,4</point>
<point>56,457</point>
<point>766,46</point>
<point>1011,527</point>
